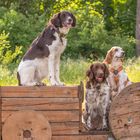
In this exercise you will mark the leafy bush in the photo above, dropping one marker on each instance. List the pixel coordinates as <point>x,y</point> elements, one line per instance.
<point>22,29</point>
<point>7,52</point>
<point>90,39</point>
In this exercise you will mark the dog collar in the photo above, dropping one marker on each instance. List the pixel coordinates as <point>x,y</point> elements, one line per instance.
<point>61,35</point>
<point>116,71</point>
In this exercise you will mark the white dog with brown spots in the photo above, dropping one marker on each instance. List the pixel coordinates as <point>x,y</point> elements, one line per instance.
<point>118,78</point>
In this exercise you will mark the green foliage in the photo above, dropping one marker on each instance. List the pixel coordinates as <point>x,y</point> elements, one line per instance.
<point>22,29</point>
<point>91,40</point>
<point>7,54</point>
<point>125,16</point>
<point>101,24</point>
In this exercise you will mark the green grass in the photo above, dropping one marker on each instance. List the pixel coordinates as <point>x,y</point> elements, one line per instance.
<point>7,77</point>
<point>132,67</point>
<point>72,72</point>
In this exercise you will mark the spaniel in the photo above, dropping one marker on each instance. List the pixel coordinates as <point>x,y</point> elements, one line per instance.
<point>97,96</point>
<point>118,79</point>
<point>43,57</point>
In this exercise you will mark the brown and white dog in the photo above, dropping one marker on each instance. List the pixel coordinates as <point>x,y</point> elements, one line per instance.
<point>97,95</point>
<point>118,79</point>
<point>43,57</point>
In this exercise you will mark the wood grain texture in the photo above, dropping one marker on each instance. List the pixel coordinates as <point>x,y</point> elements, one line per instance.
<point>124,115</point>
<point>52,116</point>
<point>39,92</point>
<point>80,137</point>
<point>40,104</point>
<point>58,128</point>
<point>65,128</point>
<point>81,99</point>
<point>26,125</point>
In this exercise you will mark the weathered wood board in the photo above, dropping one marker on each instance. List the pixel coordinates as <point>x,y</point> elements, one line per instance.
<point>81,137</point>
<point>27,125</point>
<point>124,116</point>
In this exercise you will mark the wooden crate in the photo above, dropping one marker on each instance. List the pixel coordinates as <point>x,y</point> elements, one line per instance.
<point>60,106</point>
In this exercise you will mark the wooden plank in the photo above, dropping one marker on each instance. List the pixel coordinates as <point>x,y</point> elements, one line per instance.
<point>119,123</point>
<point>27,125</point>
<point>132,131</point>
<point>58,128</point>
<point>65,128</point>
<point>52,116</point>
<point>81,99</point>
<point>34,91</point>
<point>134,96</point>
<point>123,109</point>
<point>40,104</point>
<point>121,115</point>
<point>81,137</point>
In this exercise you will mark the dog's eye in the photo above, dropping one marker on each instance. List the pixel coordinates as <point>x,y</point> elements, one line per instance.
<point>116,50</point>
<point>102,67</point>
<point>96,67</point>
<point>63,15</point>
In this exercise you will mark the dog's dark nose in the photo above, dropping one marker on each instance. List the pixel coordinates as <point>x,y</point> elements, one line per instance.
<point>123,53</point>
<point>70,20</point>
<point>101,74</point>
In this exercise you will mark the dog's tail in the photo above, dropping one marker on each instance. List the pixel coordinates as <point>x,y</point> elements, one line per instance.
<point>18,77</point>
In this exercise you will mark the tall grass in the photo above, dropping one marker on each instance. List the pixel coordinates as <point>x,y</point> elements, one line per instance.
<point>72,72</point>
<point>7,76</point>
<point>132,67</point>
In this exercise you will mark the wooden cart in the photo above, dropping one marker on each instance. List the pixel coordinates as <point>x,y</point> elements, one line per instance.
<point>44,113</point>
<point>55,113</point>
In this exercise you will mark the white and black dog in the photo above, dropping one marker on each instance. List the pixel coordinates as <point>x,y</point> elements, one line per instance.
<point>43,57</point>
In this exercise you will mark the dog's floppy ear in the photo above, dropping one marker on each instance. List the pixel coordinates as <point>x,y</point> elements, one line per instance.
<point>89,73</point>
<point>56,20</point>
<point>109,56</point>
<point>106,70</point>
<point>74,20</point>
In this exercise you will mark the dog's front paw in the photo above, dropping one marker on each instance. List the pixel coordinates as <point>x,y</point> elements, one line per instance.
<point>40,84</point>
<point>61,84</point>
<point>54,83</point>
<point>104,127</point>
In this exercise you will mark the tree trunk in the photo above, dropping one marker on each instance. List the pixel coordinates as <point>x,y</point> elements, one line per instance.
<point>138,29</point>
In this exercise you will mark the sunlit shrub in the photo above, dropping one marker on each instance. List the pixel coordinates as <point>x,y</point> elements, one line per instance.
<point>8,53</point>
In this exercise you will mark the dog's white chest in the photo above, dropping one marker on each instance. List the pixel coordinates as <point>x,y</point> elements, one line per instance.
<point>41,67</point>
<point>58,45</point>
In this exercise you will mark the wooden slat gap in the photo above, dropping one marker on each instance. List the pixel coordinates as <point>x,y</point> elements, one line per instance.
<point>83,134</point>
<point>36,97</point>
<point>95,132</point>
<point>42,110</point>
